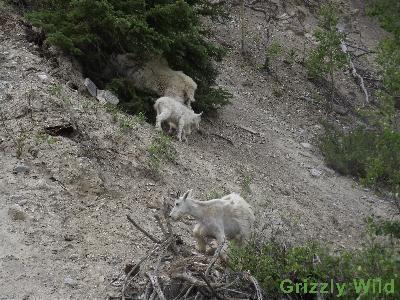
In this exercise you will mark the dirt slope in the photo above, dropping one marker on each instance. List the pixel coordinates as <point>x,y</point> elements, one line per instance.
<point>76,190</point>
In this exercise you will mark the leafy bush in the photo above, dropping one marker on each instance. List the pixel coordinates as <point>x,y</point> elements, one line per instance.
<point>381,227</point>
<point>388,14</point>
<point>328,56</point>
<point>271,53</point>
<point>373,156</point>
<point>271,264</point>
<point>161,150</point>
<point>95,30</point>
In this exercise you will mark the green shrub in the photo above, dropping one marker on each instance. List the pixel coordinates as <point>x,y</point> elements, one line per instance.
<point>373,156</point>
<point>161,150</point>
<point>328,57</point>
<point>271,263</point>
<point>271,53</point>
<point>95,30</point>
<point>381,227</point>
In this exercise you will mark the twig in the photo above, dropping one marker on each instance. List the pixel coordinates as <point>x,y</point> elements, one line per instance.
<point>316,261</point>
<point>224,138</point>
<point>188,292</point>
<point>136,267</point>
<point>198,296</point>
<point>151,237</point>
<point>148,291</point>
<point>248,129</point>
<point>256,285</point>
<point>214,259</point>
<point>194,281</point>
<point>167,220</point>
<point>156,285</point>
<point>366,51</point>
<point>353,68</point>
<point>212,290</point>
<point>161,225</point>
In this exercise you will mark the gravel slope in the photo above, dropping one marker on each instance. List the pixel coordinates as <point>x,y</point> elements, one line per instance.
<point>73,192</point>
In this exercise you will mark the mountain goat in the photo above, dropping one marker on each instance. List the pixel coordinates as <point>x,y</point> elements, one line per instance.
<point>158,77</point>
<point>230,217</point>
<point>177,115</point>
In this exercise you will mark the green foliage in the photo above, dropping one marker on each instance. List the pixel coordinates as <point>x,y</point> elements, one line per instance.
<point>161,150</point>
<point>271,263</point>
<point>372,156</point>
<point>384,227</point>
<point>132,101</point>
<point>246,180</point>
<point>273,50</point>
<point>388,14</point>
<point>271,53</point>
<point>96,30</point>
<point>328,56</point>
<point>216,194</point>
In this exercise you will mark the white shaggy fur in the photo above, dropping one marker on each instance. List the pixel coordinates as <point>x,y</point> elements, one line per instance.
<point>230,217</point>
<point>177,115</point>
<point>158,77</point>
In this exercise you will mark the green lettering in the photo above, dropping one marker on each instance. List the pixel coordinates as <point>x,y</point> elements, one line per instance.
<point>389,287</point>
<point>361,285</point>
<point>313,288</point>
<point>286,288</point>
<point>298,288</point>
<point>324,288</point>
<point>341,289</point>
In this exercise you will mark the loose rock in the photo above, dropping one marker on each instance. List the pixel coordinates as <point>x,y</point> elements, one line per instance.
<point>306,145</point>
<point>69,281</point>
<point>107,97</point>
<point>17,213</point>
<point>315,173</point>
<point>43,77</point>
<point>21,169</point>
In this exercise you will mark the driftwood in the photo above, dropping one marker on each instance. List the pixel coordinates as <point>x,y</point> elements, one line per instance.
<point>357,76</point>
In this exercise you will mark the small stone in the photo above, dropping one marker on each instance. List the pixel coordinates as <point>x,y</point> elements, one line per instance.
<point>69,281</point>
<point>107,97</point>
<point>21,169</point>
<point>306,145</point>
<point>16,213</point>
<point>69,237</point>
<point>91,87</point>
<point>315,173</point>
<point>74,257</point>
<point>43,77</point>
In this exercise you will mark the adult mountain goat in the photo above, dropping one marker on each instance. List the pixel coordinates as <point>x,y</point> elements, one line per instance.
<point>157,76</point>
<point>177,115</point>
<point>228,218</point>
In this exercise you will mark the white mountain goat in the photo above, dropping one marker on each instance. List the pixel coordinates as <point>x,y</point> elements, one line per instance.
<point>158,77</point>
<point>228,218</point>
<point>177,115</point>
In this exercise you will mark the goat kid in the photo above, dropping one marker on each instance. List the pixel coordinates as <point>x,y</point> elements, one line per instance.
<point>228,218</point>
<point>177,115</point>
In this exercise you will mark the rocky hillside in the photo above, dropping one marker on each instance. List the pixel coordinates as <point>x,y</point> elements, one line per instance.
<point>71,169</point>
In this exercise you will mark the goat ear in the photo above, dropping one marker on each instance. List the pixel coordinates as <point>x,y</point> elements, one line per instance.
<point>187,194</point>
<point>200,114</point>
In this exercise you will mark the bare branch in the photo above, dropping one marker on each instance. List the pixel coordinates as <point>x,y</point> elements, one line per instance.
<point>151,237</point>
<point>154,281</point>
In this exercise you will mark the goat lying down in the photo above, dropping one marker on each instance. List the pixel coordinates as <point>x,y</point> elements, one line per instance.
<point>228,218</point>
<point>177,115</point>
